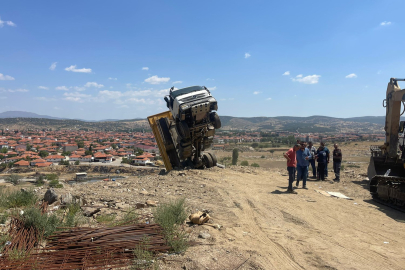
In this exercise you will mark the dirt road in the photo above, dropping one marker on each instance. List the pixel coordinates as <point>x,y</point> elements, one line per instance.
<point>266,228</point>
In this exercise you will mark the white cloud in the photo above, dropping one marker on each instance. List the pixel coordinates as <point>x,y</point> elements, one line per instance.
<point>93,84</point>
<point>76,97</point>
<point>45,98</point>
<point>9,23</point>
<point>256,92</point>
<point>385,23</point>
<point>209,79</point>
<point>74,69</point>
<point>247,55</point>
<point>379,72</point>
<point>268,98</point>
<point>78,88</point>
<point>53,66</point>
<point>286,73</point>
<point>145,68</point>
<point>3,97</point>
<point>43,87</point>
<point>156,80</point>
<point>212,88</point>
<point>18,90</point>
<point>114,79</point>
<point>62,88</point>
<point>177,82</point>
<point>6,78</point>
<point>311,79</point>
<point>352,75</point>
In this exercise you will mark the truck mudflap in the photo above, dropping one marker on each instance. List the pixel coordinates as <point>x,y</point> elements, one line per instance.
<point>162,139</point>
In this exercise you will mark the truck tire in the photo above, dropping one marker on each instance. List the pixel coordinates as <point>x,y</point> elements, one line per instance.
<point>215,120</point>
<point>208,160</point>
<point>214,159</point>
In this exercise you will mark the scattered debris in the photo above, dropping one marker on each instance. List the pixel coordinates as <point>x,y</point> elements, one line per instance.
<point>339,195</point>
<point>204,235</point>
<point>199,218</point>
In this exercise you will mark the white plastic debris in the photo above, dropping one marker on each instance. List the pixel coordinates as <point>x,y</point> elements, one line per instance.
<point>386,242</point>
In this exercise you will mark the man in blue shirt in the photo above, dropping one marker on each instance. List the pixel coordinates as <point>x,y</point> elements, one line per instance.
<point>302,155</point>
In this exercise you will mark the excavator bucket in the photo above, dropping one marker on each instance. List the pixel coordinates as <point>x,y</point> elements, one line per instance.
<point>159,137</point>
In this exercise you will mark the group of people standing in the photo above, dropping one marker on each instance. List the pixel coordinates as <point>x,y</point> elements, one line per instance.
<point>301,156</point>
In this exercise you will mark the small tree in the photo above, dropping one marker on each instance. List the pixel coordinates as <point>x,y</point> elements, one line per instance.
<point>28,147</point>
<point>40,181</point>
<point>255,145</point>
<point>4,150</point>
<point>88,153</point>
<point>43,153</point>
<point>13,178</point>
<point>77,162</point>
<point>80,144</point>
<point>271,151</point>
<point>235,156</point>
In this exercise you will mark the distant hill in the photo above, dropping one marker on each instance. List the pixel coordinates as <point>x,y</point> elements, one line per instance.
<point>21,114</point>
<point>310,124</point>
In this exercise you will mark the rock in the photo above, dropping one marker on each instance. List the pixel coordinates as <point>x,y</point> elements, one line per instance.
<point>151,203</point>
<point>50,196</point>
<point>204,235</point>
<point>89,212</point>
<point>66,198</point>
<point>140,205</point>
<point>143,192</point>
<point>122,206</point>
<point>106,187</point>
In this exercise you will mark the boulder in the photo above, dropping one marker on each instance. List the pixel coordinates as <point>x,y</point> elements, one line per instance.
<point>151,203</point>
<point>66,198</point>
<point>50,196</point>
<point>204,235</point>
<point>89,212</point>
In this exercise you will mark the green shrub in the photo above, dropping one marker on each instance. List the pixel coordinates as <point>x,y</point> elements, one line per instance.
<point>17,198</point>
<point>3,218</point>
<point>45,224</point>
<point>13,178</point>
<point>106,218</point>
<point>143,256</point>
<point>3,239</point>
<point>169,216</point>
<point>55,184</point>
<point>73,215</point>
<point>244,163</point>
<point>52,176</point>
<point>262,157</point>
<point>255,165</point>
<point>40,181</point>
<point>342,167</point>
<point>77,162</point>
<point>64,162</point>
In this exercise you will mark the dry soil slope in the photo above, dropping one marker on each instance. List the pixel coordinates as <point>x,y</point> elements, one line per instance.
<point>303,231</point>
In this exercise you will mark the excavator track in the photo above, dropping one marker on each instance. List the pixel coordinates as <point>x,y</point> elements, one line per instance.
<point>389,190</point>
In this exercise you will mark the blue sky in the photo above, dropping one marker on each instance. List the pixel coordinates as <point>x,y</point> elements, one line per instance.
<point>117,59</point>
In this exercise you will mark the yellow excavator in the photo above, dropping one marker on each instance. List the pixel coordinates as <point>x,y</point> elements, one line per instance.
<point>185,132</point>
<point>386,170</point>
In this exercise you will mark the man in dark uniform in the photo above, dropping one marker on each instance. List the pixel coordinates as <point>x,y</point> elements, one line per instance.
<point>337,162</point>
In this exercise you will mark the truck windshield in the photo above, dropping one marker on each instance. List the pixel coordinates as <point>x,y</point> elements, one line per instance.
<point>186,90</point>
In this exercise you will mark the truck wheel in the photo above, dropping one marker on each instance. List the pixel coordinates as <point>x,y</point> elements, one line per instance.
<point>215,120</point>
<point>183,130</point>
<point>214,159</point>
<point>208,160</point>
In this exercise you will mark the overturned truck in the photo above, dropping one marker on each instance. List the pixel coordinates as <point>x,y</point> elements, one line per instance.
<point>185,132</point>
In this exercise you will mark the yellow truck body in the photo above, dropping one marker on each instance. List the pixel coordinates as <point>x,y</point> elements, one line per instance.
<point>158,137</point>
